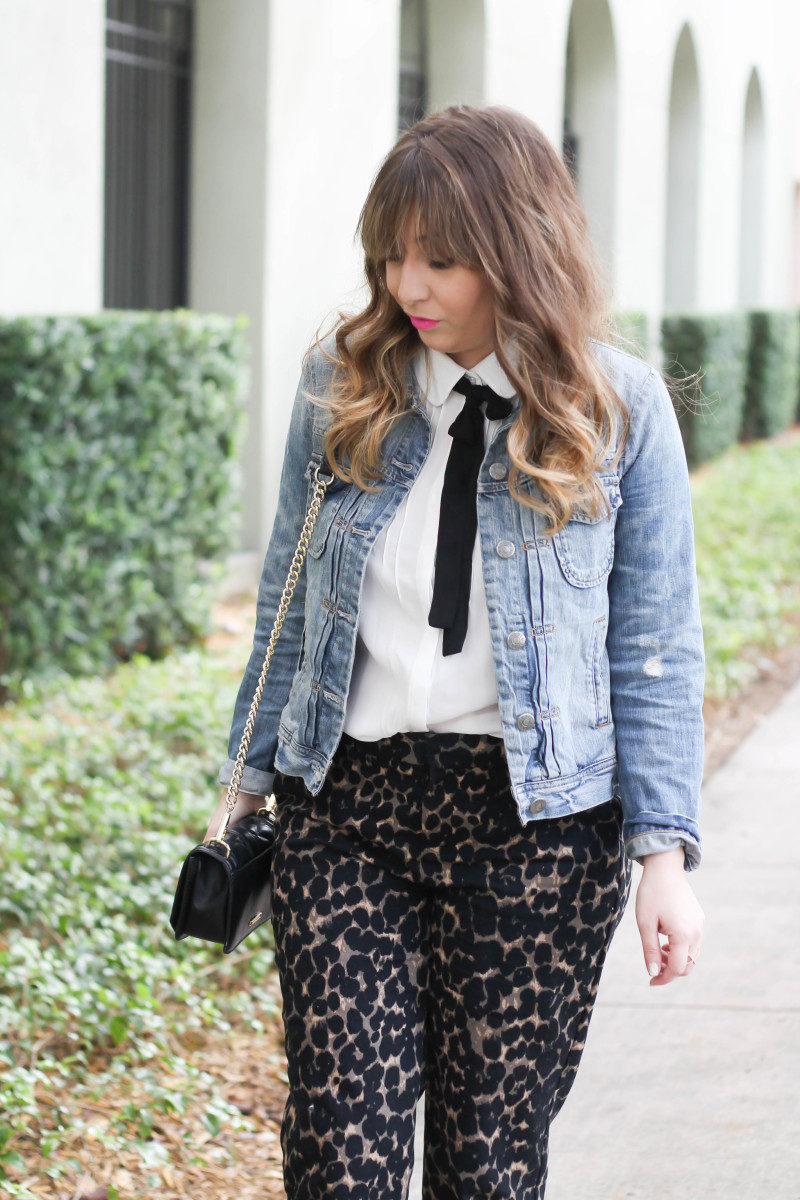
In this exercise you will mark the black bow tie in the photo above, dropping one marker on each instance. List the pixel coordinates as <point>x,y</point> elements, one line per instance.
<point>458,513</point>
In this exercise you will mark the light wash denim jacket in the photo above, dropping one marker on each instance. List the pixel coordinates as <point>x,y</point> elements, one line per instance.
<point>596,633</point>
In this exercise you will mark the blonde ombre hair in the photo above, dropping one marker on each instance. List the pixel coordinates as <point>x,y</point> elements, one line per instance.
<point>490,193</point>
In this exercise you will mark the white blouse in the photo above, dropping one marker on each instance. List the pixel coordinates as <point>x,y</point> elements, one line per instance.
<point>401,681</point>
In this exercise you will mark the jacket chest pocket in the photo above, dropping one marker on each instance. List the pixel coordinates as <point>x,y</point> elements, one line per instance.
<point>585,546</point>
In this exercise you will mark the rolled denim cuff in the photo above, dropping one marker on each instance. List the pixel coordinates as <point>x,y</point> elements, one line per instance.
<point>653,841</point>
<point>255,781</point>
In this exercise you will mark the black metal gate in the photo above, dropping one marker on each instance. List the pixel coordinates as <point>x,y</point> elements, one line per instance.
<point>148,108</point>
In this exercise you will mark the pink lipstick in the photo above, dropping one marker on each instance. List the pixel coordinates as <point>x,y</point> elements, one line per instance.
<point>422,323</point>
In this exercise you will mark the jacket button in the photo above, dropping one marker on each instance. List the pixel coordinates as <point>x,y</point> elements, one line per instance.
<point>526,721</point>
<point>538,805</point>
<point>515,640</point>
<point>497,470</point>
<point>505,549</point>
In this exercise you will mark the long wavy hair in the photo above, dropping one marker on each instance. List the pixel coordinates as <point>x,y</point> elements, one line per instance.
<point>489,192</point>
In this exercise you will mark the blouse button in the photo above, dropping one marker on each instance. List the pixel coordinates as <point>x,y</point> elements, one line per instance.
<point>515,640</point>
<point>505,549</point>
<point>497,470</point>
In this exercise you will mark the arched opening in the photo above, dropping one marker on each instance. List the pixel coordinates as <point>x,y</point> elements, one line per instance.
<point>751,197</point>
<point>413,63</point>
<point>683,178</point>
<point>589,142</point>
<point>442,53</point>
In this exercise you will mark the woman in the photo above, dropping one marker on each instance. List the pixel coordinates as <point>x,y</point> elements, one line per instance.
<point>486,698</point>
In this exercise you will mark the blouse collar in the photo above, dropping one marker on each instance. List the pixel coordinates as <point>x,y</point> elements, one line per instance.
<point>445,373</point>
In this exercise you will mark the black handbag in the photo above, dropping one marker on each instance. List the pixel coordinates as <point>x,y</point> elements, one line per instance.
<point>224,890</point>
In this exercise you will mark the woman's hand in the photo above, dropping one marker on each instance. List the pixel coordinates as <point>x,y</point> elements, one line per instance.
<point>246,802</point>
<point>665,903</point>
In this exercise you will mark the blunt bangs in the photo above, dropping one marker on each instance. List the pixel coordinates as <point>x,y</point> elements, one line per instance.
<point>417,184</point>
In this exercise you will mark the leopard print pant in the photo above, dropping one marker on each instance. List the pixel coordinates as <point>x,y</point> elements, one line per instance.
<point>426,940</point>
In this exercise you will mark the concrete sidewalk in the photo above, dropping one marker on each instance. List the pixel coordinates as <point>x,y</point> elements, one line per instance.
<point>691,1091</point>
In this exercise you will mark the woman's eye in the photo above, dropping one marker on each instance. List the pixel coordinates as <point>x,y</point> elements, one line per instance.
<point>434,263</point>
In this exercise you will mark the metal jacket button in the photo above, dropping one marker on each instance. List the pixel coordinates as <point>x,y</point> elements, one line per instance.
<point>497,470</point>
<point>505,549</point>
<point>515,640</point>
<point>526,721</point>
<point>538,805</point>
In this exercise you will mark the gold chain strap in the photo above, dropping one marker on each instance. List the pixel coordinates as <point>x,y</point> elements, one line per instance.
<point>321,483</point>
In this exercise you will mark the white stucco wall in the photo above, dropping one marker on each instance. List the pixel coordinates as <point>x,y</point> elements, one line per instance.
<point>52,98</point>
<point>295,104</point>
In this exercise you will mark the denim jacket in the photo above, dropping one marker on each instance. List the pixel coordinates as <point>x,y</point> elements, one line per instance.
<point>596,632</point>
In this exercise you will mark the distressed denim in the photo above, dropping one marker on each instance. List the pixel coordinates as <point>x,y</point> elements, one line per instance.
<point>596,632</point>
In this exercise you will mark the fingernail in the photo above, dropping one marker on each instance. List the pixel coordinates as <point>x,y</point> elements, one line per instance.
<point>653,969</point>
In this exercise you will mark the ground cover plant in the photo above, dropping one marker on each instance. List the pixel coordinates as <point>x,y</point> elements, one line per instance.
<point>747,535</point>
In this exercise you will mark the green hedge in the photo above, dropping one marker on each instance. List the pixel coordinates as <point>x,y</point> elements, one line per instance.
<point>119,451</point>
<point>715,345</point>
<point>773,372</point>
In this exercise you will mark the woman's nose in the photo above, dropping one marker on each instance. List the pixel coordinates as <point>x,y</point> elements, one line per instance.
<point>410,287</point>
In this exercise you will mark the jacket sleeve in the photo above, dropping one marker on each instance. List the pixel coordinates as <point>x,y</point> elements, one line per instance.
<point>655,637</point>
<point>259,771</point>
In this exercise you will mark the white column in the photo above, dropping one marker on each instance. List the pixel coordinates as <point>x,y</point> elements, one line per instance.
<point>295,105</point>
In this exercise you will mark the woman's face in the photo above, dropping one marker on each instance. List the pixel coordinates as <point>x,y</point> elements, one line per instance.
<point>457,298</point>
